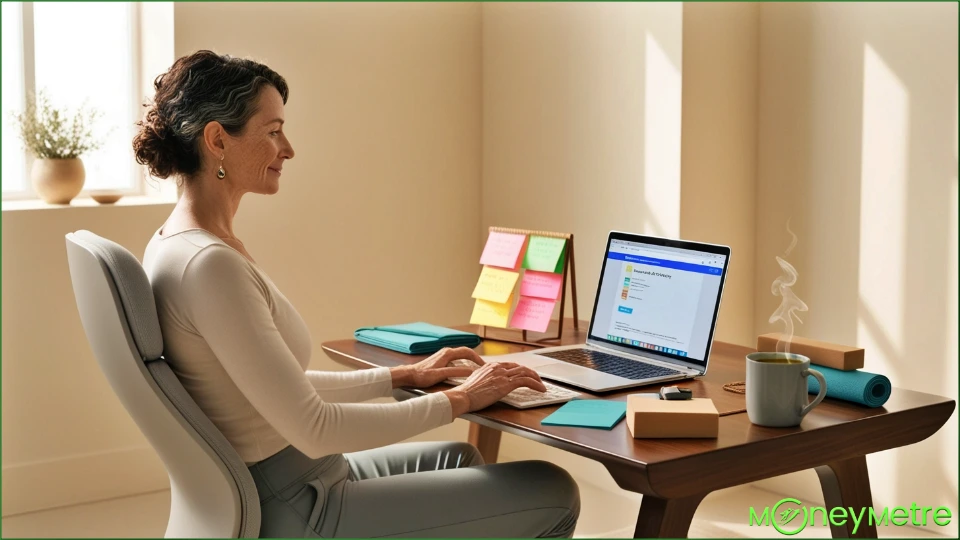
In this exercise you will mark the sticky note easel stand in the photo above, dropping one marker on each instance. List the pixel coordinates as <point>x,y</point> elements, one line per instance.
<point>528,337</point>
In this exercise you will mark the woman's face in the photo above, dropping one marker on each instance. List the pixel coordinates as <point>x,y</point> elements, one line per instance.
<point>254,160</point>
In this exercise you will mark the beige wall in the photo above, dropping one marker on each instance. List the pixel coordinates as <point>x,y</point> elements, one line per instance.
<point>858,147</point>
<point>719,148</point>
<point>581,134</point>
<point>376,222</point>
<point>575,137</point>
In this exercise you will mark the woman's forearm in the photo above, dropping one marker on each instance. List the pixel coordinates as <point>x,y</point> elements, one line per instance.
<point>401,376</point>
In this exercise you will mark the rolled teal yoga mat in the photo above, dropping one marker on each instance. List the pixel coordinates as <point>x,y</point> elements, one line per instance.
<point>860,387</point>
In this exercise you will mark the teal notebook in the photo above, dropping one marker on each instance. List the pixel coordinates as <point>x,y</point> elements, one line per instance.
<point>593,413</point>
<point>416,338</point>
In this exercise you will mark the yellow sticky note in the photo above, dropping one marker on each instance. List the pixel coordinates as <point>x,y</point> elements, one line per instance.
<point>491,313</point>
<point>495,285</point>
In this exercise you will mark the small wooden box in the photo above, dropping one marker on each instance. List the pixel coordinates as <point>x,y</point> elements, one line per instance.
<point>821,353</point>
<point>651,418</point>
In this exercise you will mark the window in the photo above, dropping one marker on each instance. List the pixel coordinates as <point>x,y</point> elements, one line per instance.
<point>14,160</point>
<point>75,52</point>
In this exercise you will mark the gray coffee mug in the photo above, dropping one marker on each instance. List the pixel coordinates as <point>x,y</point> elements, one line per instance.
<point>777,388</point>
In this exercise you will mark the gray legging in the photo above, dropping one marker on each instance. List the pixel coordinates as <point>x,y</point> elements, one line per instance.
<point>435,489</point>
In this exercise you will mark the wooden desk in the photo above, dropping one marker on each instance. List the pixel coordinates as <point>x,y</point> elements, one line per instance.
<point>674,475</point>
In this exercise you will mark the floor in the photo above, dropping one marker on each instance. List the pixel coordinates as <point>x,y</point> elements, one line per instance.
<point>604,515</point>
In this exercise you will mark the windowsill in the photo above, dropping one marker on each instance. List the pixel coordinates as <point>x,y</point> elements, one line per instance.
<point>87,202</point>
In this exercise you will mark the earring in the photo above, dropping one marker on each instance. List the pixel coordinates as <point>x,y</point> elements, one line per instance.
<point>220,172</point>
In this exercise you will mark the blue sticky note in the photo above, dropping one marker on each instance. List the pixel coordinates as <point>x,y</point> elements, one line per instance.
<point>593,413</point>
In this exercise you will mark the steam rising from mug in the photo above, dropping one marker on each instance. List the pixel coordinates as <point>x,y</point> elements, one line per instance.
<point>790,303</point>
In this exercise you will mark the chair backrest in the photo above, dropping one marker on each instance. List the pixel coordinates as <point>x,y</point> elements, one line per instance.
<point>212,493</point>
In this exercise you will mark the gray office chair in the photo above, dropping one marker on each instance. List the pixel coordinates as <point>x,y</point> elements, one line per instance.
<point>212,494</point>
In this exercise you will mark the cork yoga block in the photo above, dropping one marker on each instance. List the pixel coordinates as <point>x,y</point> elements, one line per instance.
<point>820,353</point>
<point>652,418</point>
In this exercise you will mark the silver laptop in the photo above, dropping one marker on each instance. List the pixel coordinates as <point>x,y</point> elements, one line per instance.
<point>653,318</point>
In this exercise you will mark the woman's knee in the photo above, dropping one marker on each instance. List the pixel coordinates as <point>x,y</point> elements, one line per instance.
<point>562,492</point>
<point>556,481</point>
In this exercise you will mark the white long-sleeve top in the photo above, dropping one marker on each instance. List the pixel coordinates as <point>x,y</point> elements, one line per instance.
<point>241,351</point>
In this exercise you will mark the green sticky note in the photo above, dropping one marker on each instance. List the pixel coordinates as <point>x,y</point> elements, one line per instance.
<point>545,254</point>
<point>594,413</point>
<point>561,259</point>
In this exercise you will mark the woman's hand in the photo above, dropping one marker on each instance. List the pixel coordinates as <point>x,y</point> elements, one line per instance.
<point>435,369</point>
<point>489,384</point>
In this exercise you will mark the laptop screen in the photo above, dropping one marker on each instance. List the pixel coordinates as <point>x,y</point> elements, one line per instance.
<point>659,295</point>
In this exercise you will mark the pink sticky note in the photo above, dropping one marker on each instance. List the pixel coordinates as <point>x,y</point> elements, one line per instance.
<point>503,250</point>
<point>532,314</point>
<point>541,284</point>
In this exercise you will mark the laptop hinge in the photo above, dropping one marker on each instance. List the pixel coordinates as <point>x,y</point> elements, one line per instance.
<point>687,369</point>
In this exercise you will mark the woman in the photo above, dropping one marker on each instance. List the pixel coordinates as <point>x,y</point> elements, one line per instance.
<point>319,457</point>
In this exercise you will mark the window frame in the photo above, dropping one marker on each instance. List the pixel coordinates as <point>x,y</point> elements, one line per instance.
<point>27,34</point>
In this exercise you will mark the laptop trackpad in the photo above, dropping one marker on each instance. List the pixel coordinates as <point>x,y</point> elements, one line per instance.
<point>579,376</point>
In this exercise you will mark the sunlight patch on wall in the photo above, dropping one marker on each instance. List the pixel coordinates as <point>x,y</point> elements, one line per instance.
<point>883,198</point>
<point>662,103</point>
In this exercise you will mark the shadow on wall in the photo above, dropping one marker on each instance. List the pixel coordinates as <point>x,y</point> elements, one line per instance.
<point>859,145</point>
<point>908,196</point>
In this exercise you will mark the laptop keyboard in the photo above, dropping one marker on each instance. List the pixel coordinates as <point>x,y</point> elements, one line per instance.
<point>523,398</point>
<point>609,363</point>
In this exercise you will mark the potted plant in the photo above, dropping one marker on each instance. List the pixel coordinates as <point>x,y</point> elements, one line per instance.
<point>57,138</point>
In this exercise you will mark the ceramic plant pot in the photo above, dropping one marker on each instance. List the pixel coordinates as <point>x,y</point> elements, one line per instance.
<point>58,181</point>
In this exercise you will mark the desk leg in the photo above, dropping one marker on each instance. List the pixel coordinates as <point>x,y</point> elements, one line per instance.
<point>487,440</point>
<point>847,484</point>
<point>666,518</point>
